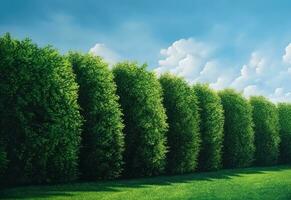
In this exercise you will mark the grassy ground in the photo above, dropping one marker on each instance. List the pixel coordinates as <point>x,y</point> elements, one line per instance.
<point>272,183</point>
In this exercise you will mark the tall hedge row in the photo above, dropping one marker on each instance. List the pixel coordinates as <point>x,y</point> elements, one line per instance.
<point>183,135</point>
<point>144,118</point>
<point>238,146</point>
<point>64,116</point>
<point>40,119</point>
<point>102,139</point>
<point>211,128</point>
<point>3,160</point>
<point>266,127</point>
<point>284,110</point>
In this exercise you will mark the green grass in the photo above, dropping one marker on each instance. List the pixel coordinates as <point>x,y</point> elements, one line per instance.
<point>272,183</point>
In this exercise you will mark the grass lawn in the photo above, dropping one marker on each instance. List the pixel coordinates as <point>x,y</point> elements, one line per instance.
<point>272,183</point>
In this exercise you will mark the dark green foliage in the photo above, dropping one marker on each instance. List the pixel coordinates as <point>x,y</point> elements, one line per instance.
<point>144,117</point>
<point>266,127</point>
<point>40,119</point>
<point>183,136</point>
<point>238,146</point>
<point>211,128</point>
<point>3,161</point>
<point>284,110</point>
<point>102,138</point>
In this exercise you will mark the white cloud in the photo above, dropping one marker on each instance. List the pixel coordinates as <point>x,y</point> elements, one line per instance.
<point>185,57</point>
<point>279,92</point>
<point>210,71</point>
<point>107,54</point>
<point>221,83</point>
<point>252,90</point>
<point>252,72</point>
<point>258,62</point>
<point>280,95</point>
<point>209,68</point>
<point>262,74</point>
<point>194,61</point>
<point>287,55</point>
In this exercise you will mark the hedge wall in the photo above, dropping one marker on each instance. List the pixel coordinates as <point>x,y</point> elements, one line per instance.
<point>102,137</point>
<point>284,110</point>
<point>123,121</point>
<point>144,118</point>
<point>183,135</point>
<point>3,160</point>
<point>211,128</point>
<point>238,146</point>
<point>40,119</point>
<point>266,126</point>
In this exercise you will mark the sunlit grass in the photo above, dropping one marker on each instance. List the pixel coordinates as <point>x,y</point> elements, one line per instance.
<point>252,183</point>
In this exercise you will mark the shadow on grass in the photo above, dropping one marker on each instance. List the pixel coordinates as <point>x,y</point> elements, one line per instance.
<point>68,190</point>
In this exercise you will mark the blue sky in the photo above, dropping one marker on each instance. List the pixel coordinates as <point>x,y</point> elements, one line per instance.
<point>240,44</point>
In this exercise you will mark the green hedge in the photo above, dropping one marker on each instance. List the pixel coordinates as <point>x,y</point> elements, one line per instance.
<point>211,128</point>
<point>266,126</point>
<point>40,119</point>
<point>144,117</point>
<point>41,125</point>
<point>183,119</point>
<point>102,137</point>
<point>284,110</point>
<point>3,160</point>
<point>238,146</point>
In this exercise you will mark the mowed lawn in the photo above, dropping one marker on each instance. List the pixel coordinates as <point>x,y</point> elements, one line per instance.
<point>272,183</point>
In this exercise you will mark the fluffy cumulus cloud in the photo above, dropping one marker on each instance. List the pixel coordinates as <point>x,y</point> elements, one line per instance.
<point>194,60</point>
<point>252,90</point>
<point>262,74</point>
<point>221,82</point>
<point>287,55</point>
<point>185,57</point>
<point>280,95</point>
<point>107,54</point>
<point>255,71</point>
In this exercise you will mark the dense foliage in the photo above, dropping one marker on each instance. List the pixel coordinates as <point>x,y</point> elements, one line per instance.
<point>211,128</point>
<point>266,127</point>
<point>183,136</point>
<point>144,117</point>
<point>40,119</point>
<point>102,138</point>
<point>284,110</point>
<point>3,160</point>
<point>55,108</point>
<point>238,146</point>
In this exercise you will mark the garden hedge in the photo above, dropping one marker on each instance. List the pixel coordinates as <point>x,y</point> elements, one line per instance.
<point>238,145</point>
<point>211,128</point>
<point>266,127</point>
<point>183,118</point>
<point>144,118</point>
<point>55,108</point>
<point>40,119</point>
<point>3,160</point>
<point>284,110</point>
<point>102,137</point>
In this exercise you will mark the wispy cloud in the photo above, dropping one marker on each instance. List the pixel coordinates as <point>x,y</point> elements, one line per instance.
<point>107,54</point>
